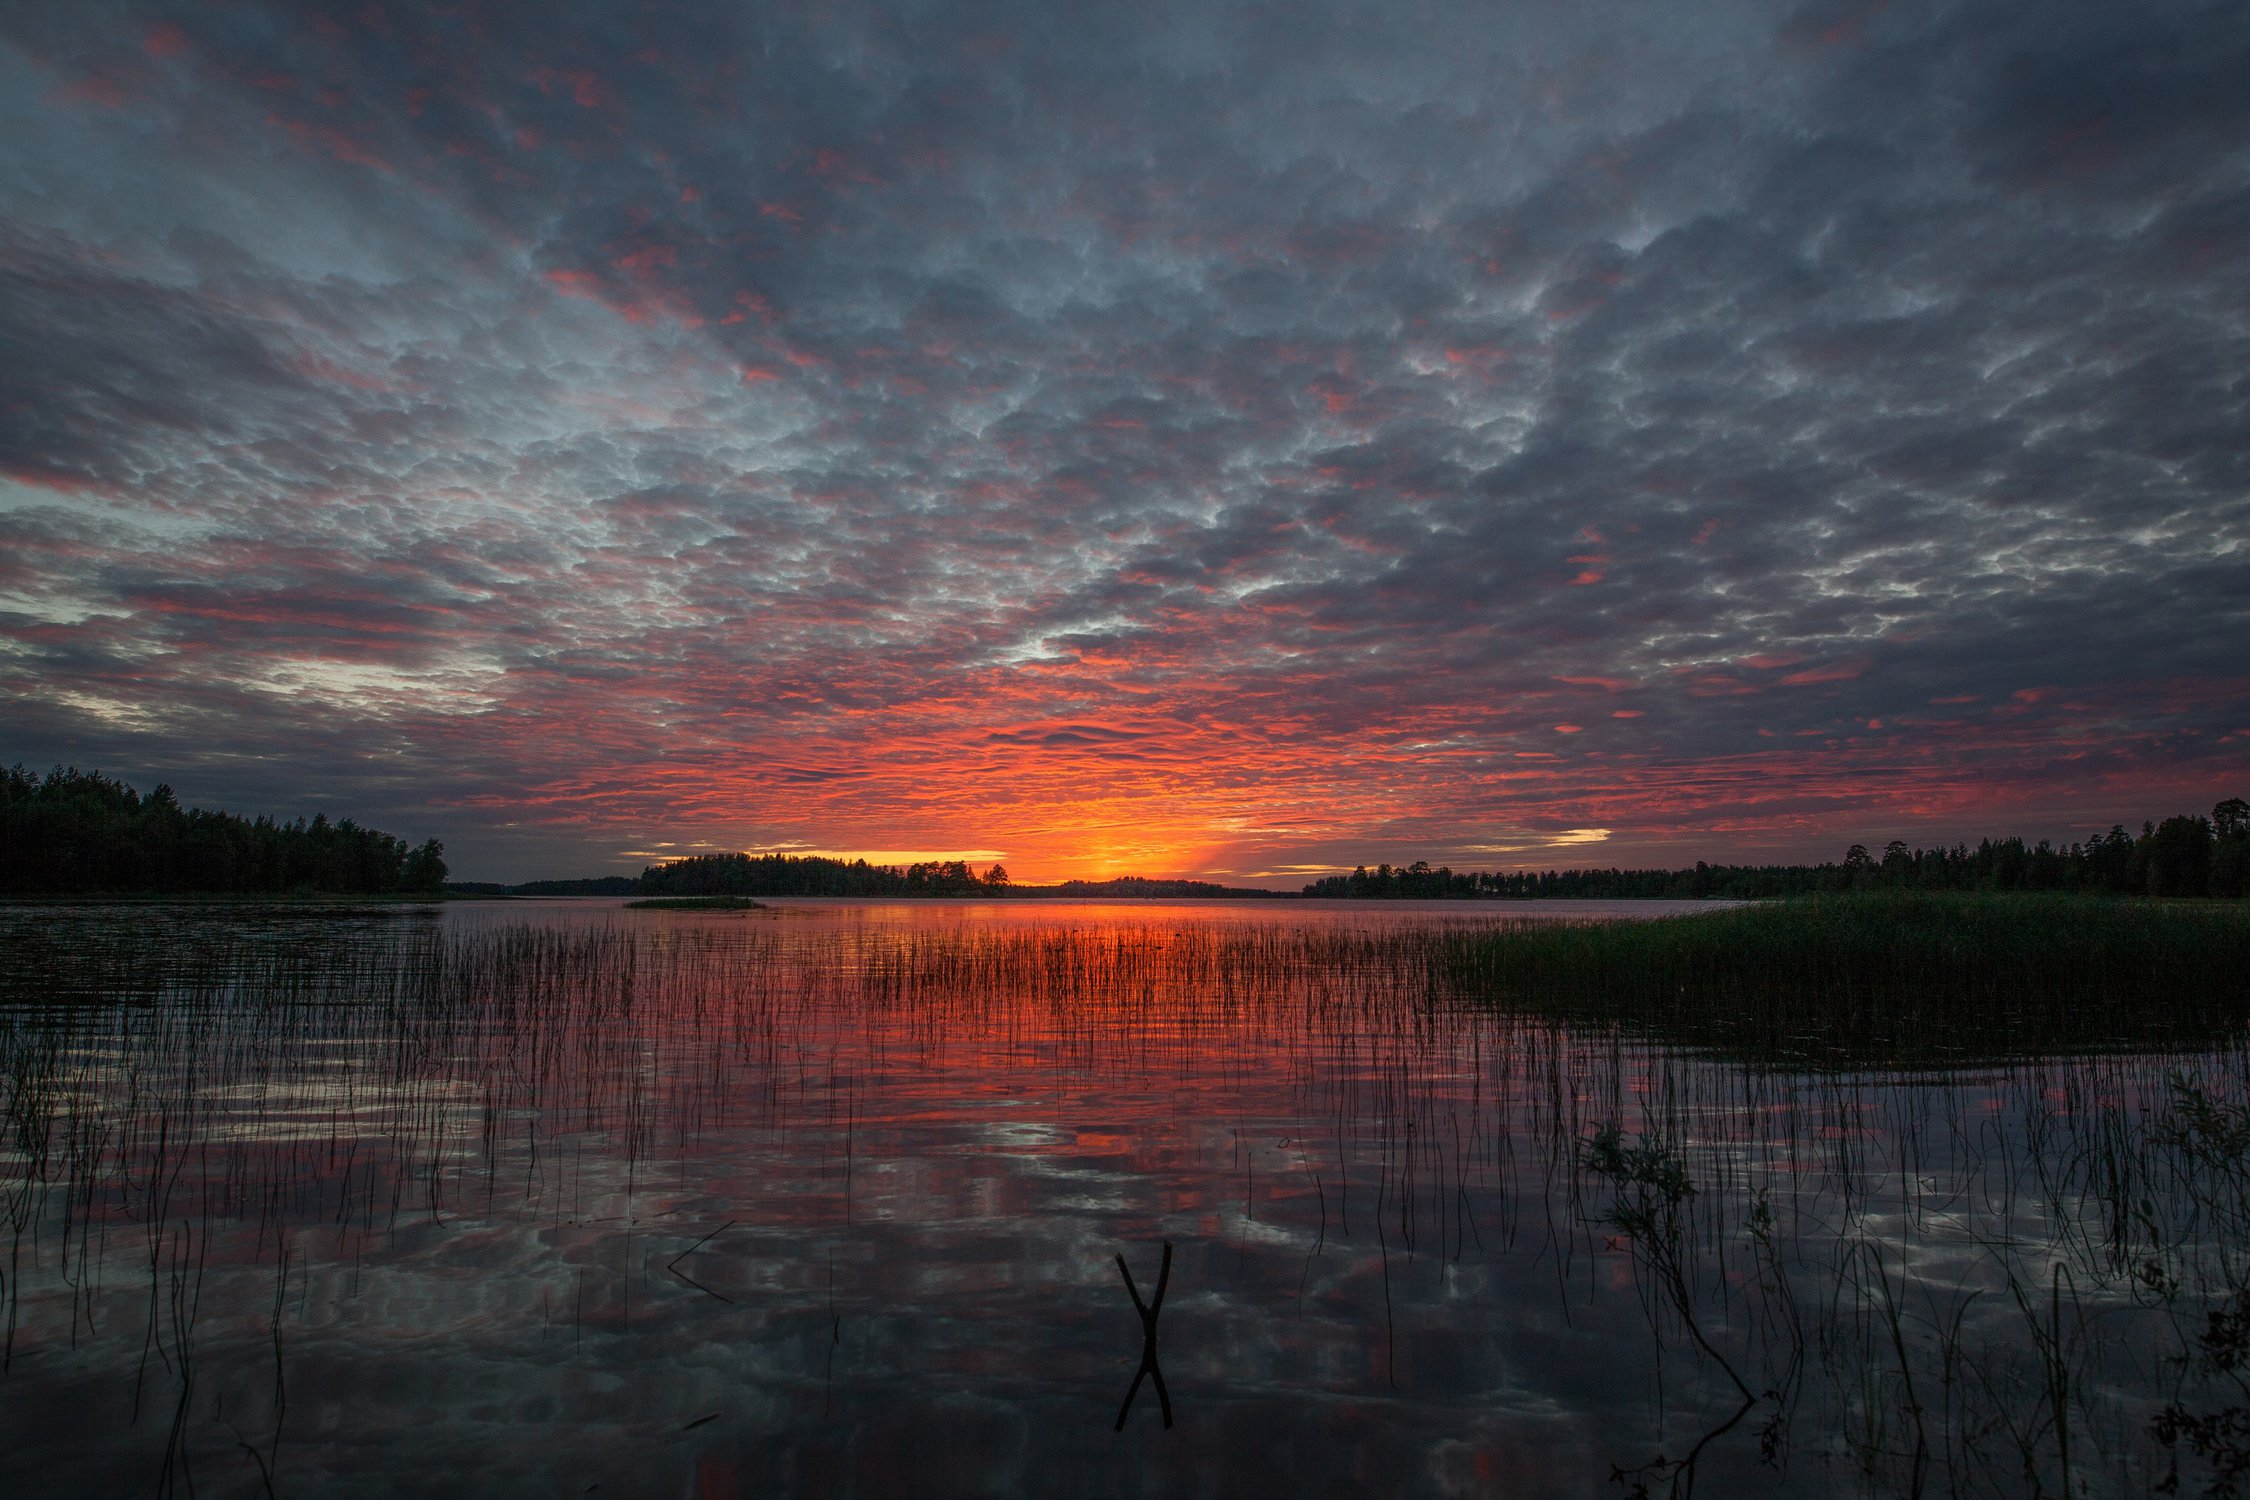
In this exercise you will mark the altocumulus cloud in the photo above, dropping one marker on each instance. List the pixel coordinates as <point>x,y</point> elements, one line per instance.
<point>1197,438</point>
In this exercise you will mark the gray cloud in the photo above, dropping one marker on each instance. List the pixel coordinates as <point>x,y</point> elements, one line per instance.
<point>528,421</point>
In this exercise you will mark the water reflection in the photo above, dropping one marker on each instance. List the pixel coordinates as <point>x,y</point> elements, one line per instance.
<point>831,1199</point>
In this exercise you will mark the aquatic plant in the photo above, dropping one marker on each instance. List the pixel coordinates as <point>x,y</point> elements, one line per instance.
<point>1887,978</point>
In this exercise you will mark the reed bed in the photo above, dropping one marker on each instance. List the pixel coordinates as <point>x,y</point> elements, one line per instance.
<point>1896,978</point>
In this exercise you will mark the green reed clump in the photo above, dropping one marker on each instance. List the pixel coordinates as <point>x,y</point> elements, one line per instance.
<point>1888,977</point>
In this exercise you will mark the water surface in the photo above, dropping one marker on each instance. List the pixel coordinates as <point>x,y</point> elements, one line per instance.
<point>827,1199</point>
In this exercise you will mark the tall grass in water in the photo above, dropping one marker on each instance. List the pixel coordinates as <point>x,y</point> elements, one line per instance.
<point>1887,978</point>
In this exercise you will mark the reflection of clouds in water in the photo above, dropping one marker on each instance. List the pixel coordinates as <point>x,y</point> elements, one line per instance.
<point>892,1217</point>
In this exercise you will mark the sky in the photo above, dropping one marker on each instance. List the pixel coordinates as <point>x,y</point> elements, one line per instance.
<point>1204,439</point>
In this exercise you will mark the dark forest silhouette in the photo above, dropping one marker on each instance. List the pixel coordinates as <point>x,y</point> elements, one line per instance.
<point>74,832</point>
<point>78,833</point>
<point>2181,856</point>
<point>815,875</point>
<point>821,875</point>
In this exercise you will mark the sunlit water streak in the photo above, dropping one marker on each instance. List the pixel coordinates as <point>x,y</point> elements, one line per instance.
<point>826,1200</point>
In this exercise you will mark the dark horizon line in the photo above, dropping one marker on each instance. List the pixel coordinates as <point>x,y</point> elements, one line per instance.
<point>2187,854</point>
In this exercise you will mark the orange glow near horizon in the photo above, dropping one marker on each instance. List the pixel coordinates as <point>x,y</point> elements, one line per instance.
<point>1085,797</point>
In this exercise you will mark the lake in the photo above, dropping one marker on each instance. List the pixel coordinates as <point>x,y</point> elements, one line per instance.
<point>829,1198</point>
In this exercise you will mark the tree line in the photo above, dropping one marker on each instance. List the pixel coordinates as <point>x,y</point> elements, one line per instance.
<point>819,875</point>
<point>815,875</point>
<point>1142,887</point>
<point>2185,855</point>
<point>73,832</point>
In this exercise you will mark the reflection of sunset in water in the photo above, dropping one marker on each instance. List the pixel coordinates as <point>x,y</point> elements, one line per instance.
<point>828,1198</point>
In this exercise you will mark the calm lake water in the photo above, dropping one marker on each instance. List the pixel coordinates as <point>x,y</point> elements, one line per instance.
<point>562,1198</point>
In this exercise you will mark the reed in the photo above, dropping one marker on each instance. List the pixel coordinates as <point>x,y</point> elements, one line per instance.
<point>1873,979</point>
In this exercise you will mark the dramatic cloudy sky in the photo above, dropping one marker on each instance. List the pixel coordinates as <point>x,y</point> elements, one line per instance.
<point>1201,438</point>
